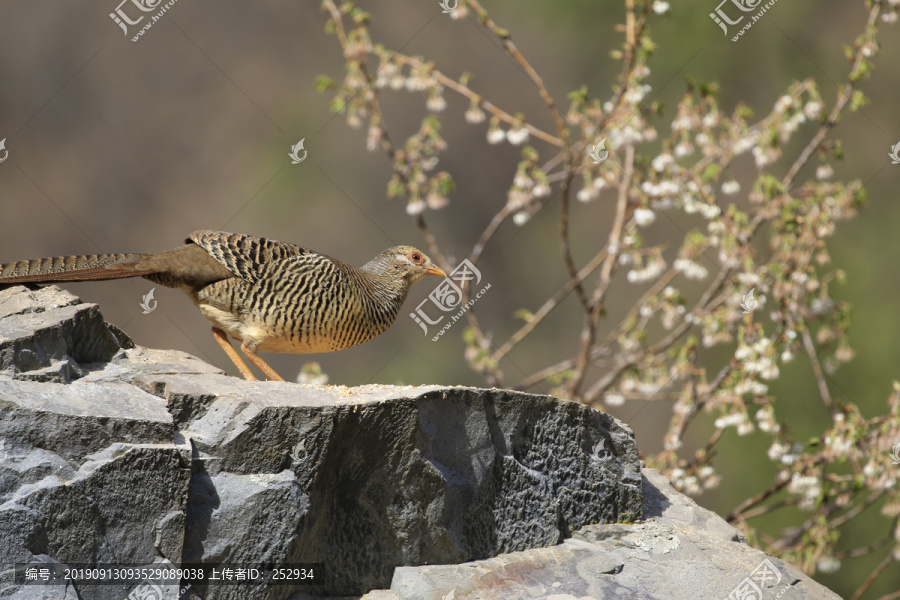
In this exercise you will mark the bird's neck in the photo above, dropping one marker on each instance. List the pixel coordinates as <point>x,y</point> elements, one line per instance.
<point>382,290</point>
<point>376,266</point>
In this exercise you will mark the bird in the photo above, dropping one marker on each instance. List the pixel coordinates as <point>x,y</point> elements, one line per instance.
<point>268,295</point>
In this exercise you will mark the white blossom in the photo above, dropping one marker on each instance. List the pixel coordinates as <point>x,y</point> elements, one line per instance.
<point>614,399</point>
<point>824,172</point>
<point>783,103</point>
<point>780,453</point>
<point>828,564</point>
<point>691,269</point>
<point>517,136</point>
<point>586,194</point>
<point>812,109</point>
<point>752,387</point>
<point>416,207</point>
<point>683,149</point>
<point>459,12</point>
<point>644,216</point>
<point>732,420</point>
<point>436,102</point>
<point>764,157</point>
<point>474,115</point>
<point>523,181</point>
<point>651,271</point>
<point>636,94</point>
<point>495,136</point>
<point>416,83</point>
<point>682,123</point>
<point>398,82</point>
<point>626,136</point>
<point>521,217</point>
<point>373,138</point>
<point>731,187</point>
<point>662,161</point>
<point>806,486</point>
<point>711,120</point>
<point>744,144</point>
<point>541,190</point>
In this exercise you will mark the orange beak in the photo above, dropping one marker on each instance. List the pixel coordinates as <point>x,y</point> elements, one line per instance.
<point>435,270</point>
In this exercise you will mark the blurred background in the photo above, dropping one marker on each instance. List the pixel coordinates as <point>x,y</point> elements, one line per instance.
<point>121,146</point>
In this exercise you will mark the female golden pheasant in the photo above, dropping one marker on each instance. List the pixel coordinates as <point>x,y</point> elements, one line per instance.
<point>271,296</point>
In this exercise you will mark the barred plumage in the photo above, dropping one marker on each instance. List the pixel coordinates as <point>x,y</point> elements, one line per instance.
<point>269,295</point>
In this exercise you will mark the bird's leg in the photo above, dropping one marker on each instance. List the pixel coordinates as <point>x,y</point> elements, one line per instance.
<point>256,360</point>
<point>232,354</point>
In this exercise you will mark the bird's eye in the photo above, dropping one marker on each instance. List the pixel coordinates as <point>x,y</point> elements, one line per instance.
<point>415,257</point>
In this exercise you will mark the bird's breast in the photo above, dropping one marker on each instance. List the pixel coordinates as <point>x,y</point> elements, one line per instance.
<point>297,314</point>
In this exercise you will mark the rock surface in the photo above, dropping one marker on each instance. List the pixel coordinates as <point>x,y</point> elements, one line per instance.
<point>111,453</point>
<point>681,551</point>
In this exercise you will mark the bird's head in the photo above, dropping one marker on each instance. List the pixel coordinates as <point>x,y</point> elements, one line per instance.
<point>404,262</point>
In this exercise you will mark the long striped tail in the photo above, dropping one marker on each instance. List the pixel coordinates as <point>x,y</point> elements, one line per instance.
<point>88,267</point>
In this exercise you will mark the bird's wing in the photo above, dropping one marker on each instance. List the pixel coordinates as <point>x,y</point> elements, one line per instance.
<point>247,256</point>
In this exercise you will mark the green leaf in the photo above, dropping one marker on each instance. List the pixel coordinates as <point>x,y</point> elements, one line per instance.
<point>858,100</point>
<point>580,95</point>
<point>338,104</point>
<point>524,314</point>
<point>324,82</point>
<point>838,150</point>
<point>443,183</point>
<point>711,172</point>
<point>395,187</point>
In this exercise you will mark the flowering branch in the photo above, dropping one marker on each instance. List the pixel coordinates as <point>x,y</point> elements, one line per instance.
<point>748,282</point>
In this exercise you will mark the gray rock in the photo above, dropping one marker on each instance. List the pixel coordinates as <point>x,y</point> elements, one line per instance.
<point>680,552</point>
<point>49,334</point>
<point>112,509</point>
<point>383,476</point>
<point>113,453</point>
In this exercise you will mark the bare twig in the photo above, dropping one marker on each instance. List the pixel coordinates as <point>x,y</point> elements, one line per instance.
<point>548,307</point>
<point>614,247</point>
<point>844,97</point>
<point>810,347</point>
<point>513,51</point>
<point>564,240</point>
<point>480,101</point>
<point>489,232</point>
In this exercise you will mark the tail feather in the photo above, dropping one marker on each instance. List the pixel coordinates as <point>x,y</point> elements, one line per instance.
<point>89,267</point>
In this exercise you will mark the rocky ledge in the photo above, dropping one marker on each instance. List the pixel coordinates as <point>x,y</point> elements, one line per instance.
<point>115,455</point>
